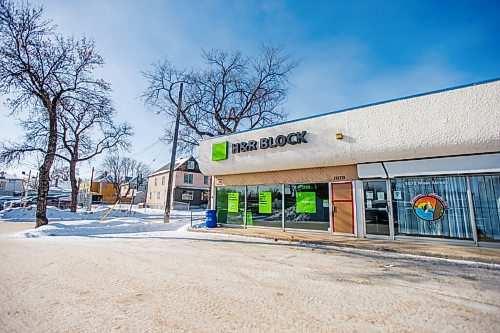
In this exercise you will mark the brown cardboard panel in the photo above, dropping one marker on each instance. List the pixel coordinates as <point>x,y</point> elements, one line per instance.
<point>341,192</point>
<point>342,217</point>
<point>296,176</point>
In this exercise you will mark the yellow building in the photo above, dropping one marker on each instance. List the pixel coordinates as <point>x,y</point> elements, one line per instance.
<point>102,189</point>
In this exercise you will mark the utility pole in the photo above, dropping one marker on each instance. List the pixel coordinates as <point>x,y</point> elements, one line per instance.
<point>27,188</point>
<point>168,201</point>
<point>91,179</point>
<point>89,194</point>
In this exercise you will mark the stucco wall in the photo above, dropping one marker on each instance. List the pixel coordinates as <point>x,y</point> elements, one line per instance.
<point>197,179</point>
<point>151,194</point>
<point>453,122</point>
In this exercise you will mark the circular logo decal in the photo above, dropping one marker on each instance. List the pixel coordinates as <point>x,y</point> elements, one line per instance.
<point>429,207</point>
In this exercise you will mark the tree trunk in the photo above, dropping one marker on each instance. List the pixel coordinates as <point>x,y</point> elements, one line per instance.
<point>118,191</point>
<point>74,185</point>
<point>44,180</point>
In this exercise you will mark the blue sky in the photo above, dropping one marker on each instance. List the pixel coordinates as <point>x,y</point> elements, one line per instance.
<point>349,52</point>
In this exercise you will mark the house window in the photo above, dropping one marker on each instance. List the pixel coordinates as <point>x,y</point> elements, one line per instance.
<point>150,195</point>
<point>163,180</point>
<point>158,195</point>
<point>205,180</point>
<point>156,182</point>
<point>187,195</point>
<point>2,184</point>
<point>188,178</point>
<point>190,165</point>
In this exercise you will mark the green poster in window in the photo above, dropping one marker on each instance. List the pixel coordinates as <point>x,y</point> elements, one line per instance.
<point>249,218</point>
<point>306,202</point>
<point>265,203</point>
<point>233,202</point>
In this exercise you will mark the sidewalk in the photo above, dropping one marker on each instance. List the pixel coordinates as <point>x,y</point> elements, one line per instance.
<point>429,249</point>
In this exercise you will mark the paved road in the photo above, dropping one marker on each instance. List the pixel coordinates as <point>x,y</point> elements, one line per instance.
<point>191,282</point>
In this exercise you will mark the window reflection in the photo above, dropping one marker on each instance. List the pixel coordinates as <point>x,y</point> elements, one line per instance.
<point>230,204</point>
<point>486,198</point>
<point>307,206</point>
<point>431,206</point>
<point>264,205</point>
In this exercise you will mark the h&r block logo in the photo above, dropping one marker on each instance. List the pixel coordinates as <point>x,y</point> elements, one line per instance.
<point>219,151</point>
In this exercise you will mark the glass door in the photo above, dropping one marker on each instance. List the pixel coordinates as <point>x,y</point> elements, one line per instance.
<point>377,208</point>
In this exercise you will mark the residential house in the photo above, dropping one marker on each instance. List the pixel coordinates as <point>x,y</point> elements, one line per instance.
<point>189,188</point>
<point>10,185</point>
<point>135,189</point>
<point>102,189</point>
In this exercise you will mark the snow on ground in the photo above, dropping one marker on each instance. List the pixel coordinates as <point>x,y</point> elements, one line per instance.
<point>183,284</point>
<point>117,227</point>
<point>55,214</point>
<point>118,223</point>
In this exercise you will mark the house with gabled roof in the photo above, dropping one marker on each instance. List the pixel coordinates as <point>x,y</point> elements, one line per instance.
<point>10,185</point>
<point>189,188</point>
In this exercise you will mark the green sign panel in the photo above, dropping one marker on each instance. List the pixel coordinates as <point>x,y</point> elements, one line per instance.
<point>265,203</point>
<point>233,202</point>
<point>249,218</point>
<point>219,151</point>
<point>306,202</point>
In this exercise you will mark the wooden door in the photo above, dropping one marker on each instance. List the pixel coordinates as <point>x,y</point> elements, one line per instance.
<point>342,208</point>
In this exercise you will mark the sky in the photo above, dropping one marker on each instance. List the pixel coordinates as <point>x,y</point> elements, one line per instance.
<point>349,53</point>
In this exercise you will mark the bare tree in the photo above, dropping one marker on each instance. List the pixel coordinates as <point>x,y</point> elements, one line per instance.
<point>135,170</point>
<point>113,169</point>
<point>88,130</point>
<point>40,69</point>
<point>234,92</point>
<point>122,170</point>
<point>59,172</point>
<point>141,172</point>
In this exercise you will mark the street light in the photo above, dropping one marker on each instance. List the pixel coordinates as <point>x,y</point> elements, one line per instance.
<point>166,217</point>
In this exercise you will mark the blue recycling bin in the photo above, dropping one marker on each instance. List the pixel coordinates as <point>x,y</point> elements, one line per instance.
<point>211,218</point>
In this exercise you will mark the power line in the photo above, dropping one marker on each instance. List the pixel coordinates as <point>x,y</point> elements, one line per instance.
<point>147,148</point>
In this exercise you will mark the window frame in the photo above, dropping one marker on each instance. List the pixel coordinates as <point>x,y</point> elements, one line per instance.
<point>189,178</point>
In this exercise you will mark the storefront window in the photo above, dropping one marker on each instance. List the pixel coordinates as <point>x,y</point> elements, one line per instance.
<point>264,205</point>
<point>376,208</point>
<point>307,206</point>
<point>431,206</point>
<point>486,198</point>
<point>230,204</point>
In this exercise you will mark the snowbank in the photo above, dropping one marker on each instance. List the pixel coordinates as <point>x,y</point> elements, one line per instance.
<point>55,214</point>
<point>117,227</point>
<point>119,222</point>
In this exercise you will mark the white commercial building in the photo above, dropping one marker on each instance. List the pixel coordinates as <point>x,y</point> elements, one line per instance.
<point>421,166</point>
